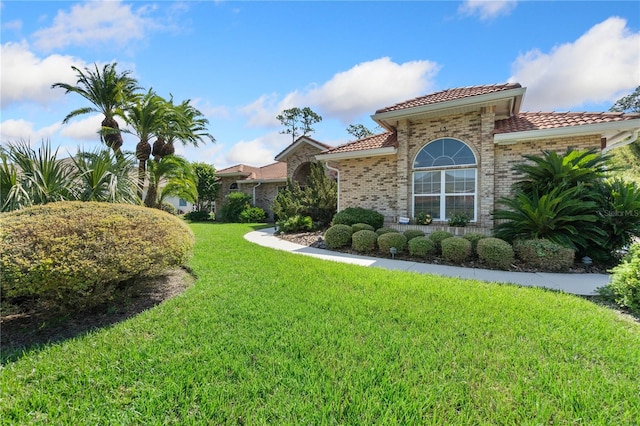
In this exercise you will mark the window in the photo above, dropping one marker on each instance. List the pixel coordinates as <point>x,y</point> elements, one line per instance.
<point>445,180</point>
<point>233,186</point>
<point>182,202</point>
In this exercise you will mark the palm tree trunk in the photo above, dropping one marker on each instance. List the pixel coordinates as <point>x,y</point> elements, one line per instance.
<point>143,151</point>
<point>113,139</point>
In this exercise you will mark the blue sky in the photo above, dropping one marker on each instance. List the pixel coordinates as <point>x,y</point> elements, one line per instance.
<point>241,63</point>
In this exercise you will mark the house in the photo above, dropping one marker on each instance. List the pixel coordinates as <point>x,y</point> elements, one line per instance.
<point>452,152</point>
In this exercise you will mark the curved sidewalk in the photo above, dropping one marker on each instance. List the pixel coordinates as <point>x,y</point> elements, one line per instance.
<point>580,284</point>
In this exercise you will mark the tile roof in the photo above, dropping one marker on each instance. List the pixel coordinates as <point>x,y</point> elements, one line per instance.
<point>449,95</point>
<point>383,140</point>
<point>272,171</point>
<point>525,121</point>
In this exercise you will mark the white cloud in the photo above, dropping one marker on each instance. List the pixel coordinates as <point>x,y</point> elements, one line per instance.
<point>598,67</point>
<point>487,9</point>
<point>352,93</point>
<point>16,130</point>
<point>95,22</point>
<point>256,152</point>
<point>28,77</point>
<point>83,130</point>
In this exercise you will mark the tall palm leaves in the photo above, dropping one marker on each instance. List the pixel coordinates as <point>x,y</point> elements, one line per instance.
<point>171,176</point>
<point>101,176</point>
<point>107,91</point>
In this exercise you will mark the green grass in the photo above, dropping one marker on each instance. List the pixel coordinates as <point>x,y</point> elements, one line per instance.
<point>267,337</point>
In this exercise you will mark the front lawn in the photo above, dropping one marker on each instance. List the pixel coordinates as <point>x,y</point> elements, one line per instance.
<point>267,337</point>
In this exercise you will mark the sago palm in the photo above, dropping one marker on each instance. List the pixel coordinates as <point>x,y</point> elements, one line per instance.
<point>107,91</point>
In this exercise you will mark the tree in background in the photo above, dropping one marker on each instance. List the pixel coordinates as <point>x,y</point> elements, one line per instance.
<point>298,122</point>
<point>207,186</point>
<point>359,131</point>
<point>107,91</point>
<point>177,177</point>
<point>627,157</point>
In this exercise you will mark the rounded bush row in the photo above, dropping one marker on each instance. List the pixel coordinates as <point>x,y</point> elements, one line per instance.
<point>544,254</point>
<point>73,254</point>
<point>352,215</point>
<point>494,252</point>
<point>364,241</point>
<point>456,249</point>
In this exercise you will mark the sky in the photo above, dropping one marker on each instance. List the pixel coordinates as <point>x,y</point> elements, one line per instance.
<point>241,62</point>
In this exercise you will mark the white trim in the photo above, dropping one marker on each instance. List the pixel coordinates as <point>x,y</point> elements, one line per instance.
<point>377,152</point>
<point>295,144</point>
<point>443,194</point>
<point>253,181</point>
<point>613,127</point>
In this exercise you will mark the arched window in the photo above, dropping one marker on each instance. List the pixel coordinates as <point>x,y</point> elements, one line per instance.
<point>445,180</point>
<point>233,186</point>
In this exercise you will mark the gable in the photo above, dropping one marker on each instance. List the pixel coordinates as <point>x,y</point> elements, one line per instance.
<point>302,142</point>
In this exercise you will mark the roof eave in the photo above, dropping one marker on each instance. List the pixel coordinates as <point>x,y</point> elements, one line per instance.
<point>282,156</point>
<point>378,152</point>
<point>253,181</point>
<point>516,93</point>
<point>605,129</point>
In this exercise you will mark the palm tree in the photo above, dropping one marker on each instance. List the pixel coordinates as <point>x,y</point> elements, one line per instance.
<point>146,117</point>
<point>107,92</point>
<point>171,176</point>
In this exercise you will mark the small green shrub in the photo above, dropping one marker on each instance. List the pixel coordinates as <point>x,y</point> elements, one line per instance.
<point>423,218</point>
<point>625,281</point>
<point>169,208</point>
<point>456,249</point>
<point>544,254</point>
<point>495,252</point>
<point>353,215</point>
<point>235,204</point>
<point>362,226</point>
<point>421,247</point>
<point>296,223</point>
<point>198,216</point>
<point>381,231</point>
<point>437,237</point>
<point>459,220</point>
<point>392,239</point>
<point>364,241</point>
<point>72,255</point>
<point>413,233</point>
<point>253,215</point>
<point>473,238</point>
<point>338,236</point>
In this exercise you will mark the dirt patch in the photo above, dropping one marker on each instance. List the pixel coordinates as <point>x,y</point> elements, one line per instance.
<point>32,327</point>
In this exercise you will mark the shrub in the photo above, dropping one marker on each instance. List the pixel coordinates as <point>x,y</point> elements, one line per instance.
<point>338,236</point>
<point>423,218</point>
<point>169,208</point>
<point>459,220</point>
<point>473,238</point>
<point>353,215</point>
<point>253,215</point>
<point>437,237</point>
<point>381,231</point>
<point>364,241</point>
<point>456,249</point>
<point>236,203</point>
<point>296,223</point>
<point>421,247</point>
<point>413,233</point>
<point>361,226</point>
<point>392,239</point>
<point>198,216</point>
<point>544,254</point>
<point>495,252</point>
<point>73,254</point>
<point>625,281</point>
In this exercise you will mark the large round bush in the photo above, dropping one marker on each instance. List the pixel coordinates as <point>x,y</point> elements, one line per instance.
<point>437,237</point>
<point>392,239</point>
<point>544,255</point>
<point>495,252</point>
<point>72,254</point>
<point>338,236</point>
<point>421,247</point>
<point>364,241</point>
<point>456,249</point>
<point>352,215</point>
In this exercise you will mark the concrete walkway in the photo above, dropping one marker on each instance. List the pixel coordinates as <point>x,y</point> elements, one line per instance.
<point>580,284</point>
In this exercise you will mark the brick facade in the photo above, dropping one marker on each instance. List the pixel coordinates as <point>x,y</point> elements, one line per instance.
<point>304,153</point>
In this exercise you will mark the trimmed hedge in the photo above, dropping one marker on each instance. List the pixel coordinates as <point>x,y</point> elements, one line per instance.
<point>352,215</point>
<point>381,231</point>
<point>456,249</point>
<point>495,252</point>
<point>364,241</point>
<point>73,254</point>
<point>544,254</point>
<point>474,237</point>
<point>338,236</point>
<point>413,233</point>
<point>625,281</point>
<point>392,239</point>
<point>438,236</point>
<point>421,247</point>
<point>362,226</point>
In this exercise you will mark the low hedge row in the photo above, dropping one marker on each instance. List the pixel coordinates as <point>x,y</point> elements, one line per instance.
<point>72,255</point>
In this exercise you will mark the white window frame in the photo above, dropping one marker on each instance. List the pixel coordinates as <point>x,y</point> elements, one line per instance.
<point>443,194</point>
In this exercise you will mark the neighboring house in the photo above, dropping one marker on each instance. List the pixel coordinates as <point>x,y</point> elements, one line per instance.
<point>450,152</point>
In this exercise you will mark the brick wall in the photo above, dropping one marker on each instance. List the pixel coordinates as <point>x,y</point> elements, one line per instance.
<point>304,153</point>
<point>265,193</point>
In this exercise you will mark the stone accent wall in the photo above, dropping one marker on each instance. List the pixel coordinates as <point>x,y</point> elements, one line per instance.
<point>506,156</point>
<point>223,191</point>
<point>265,193</point>
<point>371,183</point>
<point>304,153</point>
